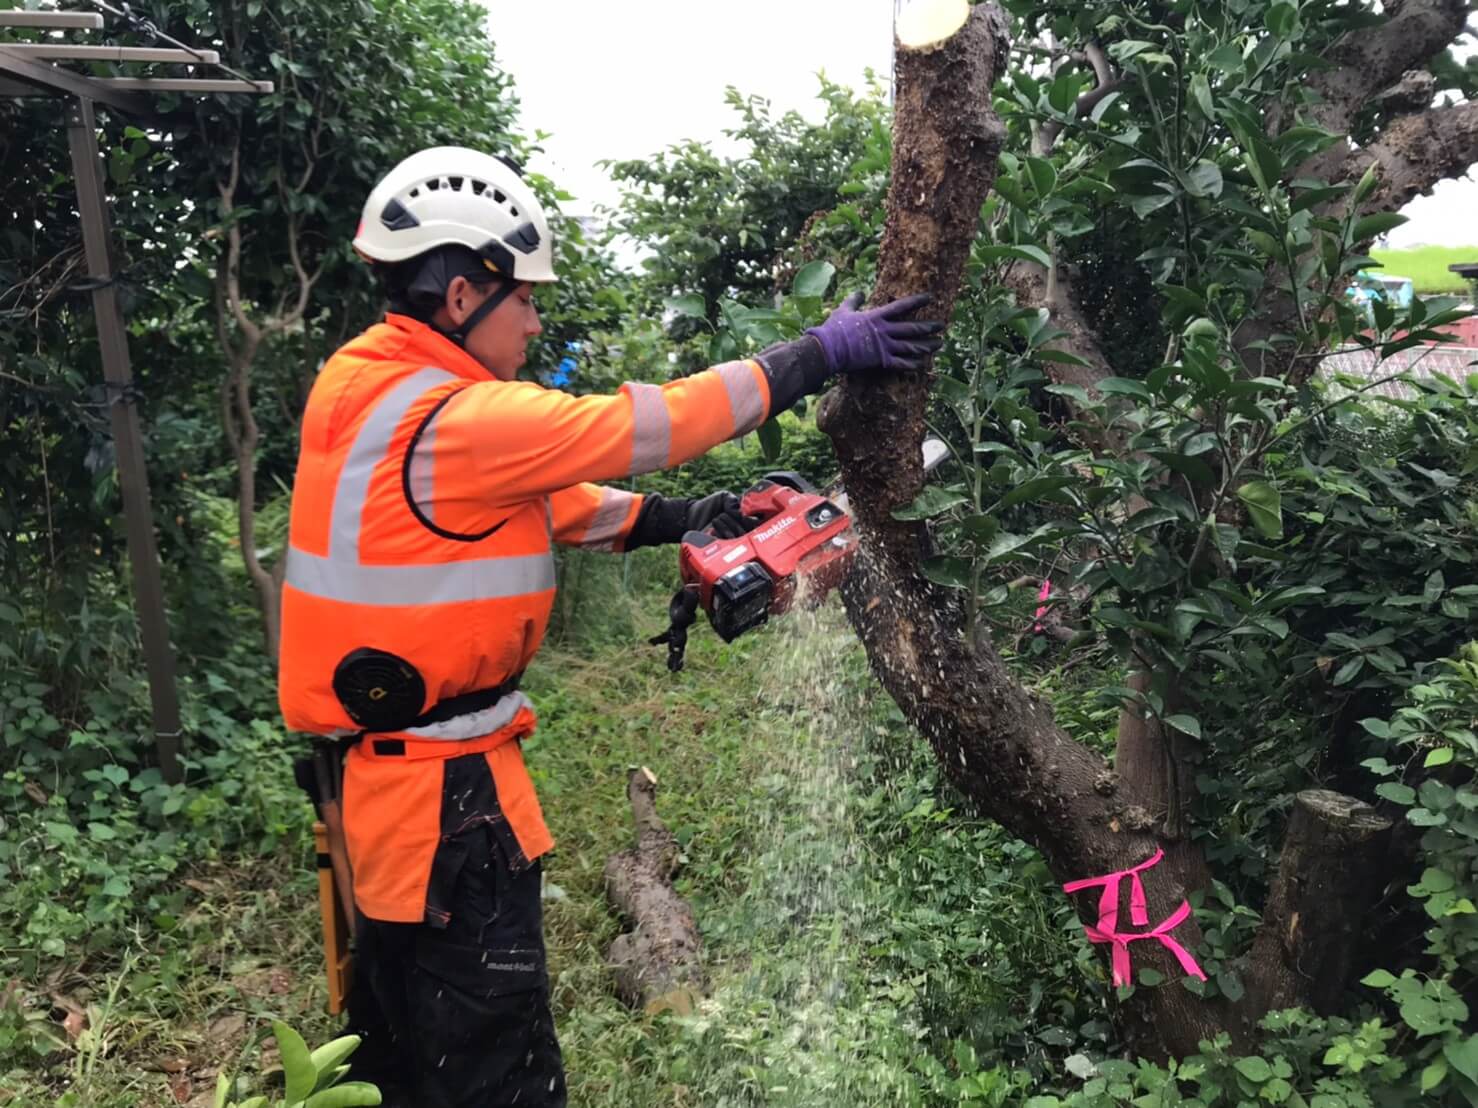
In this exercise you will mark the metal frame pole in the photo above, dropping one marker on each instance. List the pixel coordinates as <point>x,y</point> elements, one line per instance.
<point>133,479</point>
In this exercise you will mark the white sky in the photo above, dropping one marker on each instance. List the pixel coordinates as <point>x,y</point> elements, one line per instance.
<point>626,78</point>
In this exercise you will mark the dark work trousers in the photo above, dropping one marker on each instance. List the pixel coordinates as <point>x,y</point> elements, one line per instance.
<point>455,1011</point>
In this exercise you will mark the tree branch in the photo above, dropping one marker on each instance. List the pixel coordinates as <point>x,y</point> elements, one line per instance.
<point>1371,60</point>
<point>1414,152</point>
<point>1107,84</point>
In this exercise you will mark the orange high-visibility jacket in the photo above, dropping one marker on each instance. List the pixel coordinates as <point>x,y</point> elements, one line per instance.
<point>426,499</point>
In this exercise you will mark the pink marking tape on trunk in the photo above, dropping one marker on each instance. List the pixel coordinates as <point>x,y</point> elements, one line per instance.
<point>1107,928</point>
<point>1042,605</point>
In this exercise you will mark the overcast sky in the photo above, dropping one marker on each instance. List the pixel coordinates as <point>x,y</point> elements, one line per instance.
<point>626,78</point>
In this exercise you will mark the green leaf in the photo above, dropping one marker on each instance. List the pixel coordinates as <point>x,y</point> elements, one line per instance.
<point>1189,725</point>
<point>1396,792</point>
<point>328,1057</point>
<point>1062,357</point>
<point>772,438</point>
<point>223,1091</point>
<point>1426,1015</point>
<point>1434,1074</point>
<point>932,501</point>
<point>353,1094</point>
<point>1044,176</point>
<point>1282,19</point>
<point>1102,107</point>
<point>1254,1069</point>
<point>1464,1056</point>
<point>297,1065</point>
<point>1378,979</point>
<point>1201,96</point>
<point>1035,489</point>
<point>1441,756</point>
<point>1434,587</point>
<point>1124,386</point>
<point>1372,226</point>
<point>813,279</point>
<point>1231,988</point>
<point>951,572</point>
<point>1265,506</point>
<point>1204,179</point>
<point>690,304</point>
<point>1024,253</point>
<point>1366,186</point>
<point>980,528</point>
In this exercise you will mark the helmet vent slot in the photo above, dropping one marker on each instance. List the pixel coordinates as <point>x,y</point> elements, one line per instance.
<point>479,187</point>
<point>456,183</point>
<point>513,212</point>
<point>498,197</point>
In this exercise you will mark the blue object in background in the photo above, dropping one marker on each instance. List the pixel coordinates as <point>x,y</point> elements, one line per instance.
<point>566,368</point>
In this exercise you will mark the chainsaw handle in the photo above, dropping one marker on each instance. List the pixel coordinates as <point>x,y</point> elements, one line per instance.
<point>682,613</point>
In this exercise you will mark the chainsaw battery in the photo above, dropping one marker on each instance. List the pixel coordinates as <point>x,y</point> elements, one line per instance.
<point>741,600</point>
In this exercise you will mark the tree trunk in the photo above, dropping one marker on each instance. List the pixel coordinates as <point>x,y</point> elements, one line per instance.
<point>996,742</point>
<point>656,964</point>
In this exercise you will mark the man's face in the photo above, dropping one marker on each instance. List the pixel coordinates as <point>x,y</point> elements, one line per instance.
<point>500,341</point>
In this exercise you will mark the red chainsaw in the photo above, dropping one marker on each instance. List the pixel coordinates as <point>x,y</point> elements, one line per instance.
<point>799,550</point>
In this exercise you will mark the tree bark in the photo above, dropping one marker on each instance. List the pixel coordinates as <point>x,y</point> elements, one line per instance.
<point>1329,873</point>
<point>656,964</point>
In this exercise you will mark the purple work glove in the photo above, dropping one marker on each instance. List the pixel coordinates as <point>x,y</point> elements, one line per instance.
<point>879,338</point>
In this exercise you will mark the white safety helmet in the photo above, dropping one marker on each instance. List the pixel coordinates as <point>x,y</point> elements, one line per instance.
<point>450,195</point>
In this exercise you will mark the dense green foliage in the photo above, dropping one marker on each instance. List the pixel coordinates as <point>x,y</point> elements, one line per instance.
<point>1300,570</point>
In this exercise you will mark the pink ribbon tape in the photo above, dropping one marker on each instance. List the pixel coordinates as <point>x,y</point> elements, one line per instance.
<point>1107,928</point>
<point>1042,597</point>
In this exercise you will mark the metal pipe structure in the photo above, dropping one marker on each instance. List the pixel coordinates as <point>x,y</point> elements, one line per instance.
<point>133,479</point>
<point>68,52</point>
<point>184,84</point>
<point>55,80</point>
<point>23,74</point>
<point>53,21</point>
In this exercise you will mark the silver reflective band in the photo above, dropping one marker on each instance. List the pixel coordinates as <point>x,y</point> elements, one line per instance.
<point>422,472</point>
<point>745,400</point>
<point>651,430</point>
<point>474,725</point>
<point>369,446</point>
<point>403,586</point>
<point>605,528</point>
<point>340,576</point>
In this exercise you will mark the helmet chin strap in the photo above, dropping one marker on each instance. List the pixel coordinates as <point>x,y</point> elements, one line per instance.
<point>461,334</point>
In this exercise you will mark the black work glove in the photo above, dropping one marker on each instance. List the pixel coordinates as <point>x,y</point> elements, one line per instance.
<point>667,519</point>
<point>719,513</point>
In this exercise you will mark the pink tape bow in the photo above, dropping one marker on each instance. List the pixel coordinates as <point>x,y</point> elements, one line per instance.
<point>1107,928</point>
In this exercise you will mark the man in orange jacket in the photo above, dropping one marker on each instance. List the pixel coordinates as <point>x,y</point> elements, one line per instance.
<point>431,484</point>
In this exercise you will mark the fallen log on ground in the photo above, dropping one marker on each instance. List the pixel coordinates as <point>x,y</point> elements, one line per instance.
<point>657,963</point>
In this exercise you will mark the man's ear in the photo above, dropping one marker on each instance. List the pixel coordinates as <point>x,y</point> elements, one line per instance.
<point>459,301</point>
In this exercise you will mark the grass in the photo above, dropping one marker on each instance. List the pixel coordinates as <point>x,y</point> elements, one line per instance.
<point>1427,266</point>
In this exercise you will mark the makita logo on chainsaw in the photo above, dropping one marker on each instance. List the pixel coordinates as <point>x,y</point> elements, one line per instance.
<point>771,532</point>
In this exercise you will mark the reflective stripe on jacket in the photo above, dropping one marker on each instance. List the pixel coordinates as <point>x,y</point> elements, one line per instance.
<point>426,498</point>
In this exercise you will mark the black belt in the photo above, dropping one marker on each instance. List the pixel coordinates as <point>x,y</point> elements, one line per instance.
<point>464,704</point>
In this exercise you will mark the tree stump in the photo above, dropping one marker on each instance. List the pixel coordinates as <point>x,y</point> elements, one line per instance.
<point>657,963</point>
<point>1330,872</point>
